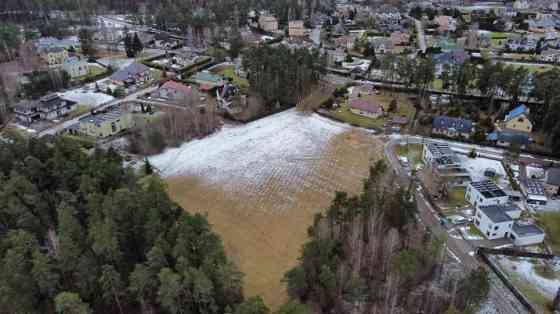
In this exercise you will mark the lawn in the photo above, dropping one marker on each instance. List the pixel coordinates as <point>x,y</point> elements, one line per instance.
<point>534,68</point>
<point>437,84</point>
<point>229,72</point>
<point>404,108</point>
<point>551,223</point>
<point>158,74</point>
<point>499,35</point>
<point>96,70</point>
<point>457,197</point>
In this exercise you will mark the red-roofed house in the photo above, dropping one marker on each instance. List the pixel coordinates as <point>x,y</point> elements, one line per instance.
<point>174,91</point>
<point>363,108</point>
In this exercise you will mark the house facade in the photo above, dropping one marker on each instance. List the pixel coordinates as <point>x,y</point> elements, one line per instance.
<point>452,127</point>
<point>485,193</point>
<point>268,23</point>
<point>55,56</point>
<point>49,107</point>
<point>296,29</point>
<point>76,67</point>
<point>496,221</point>
<point>175,92</point>
<point>135,73</point>
<point>106,124</point>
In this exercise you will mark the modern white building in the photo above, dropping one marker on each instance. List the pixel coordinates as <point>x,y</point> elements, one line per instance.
<point>435,151</point>
<point>496,221</point>
<point>499,221</point>
<point>526,234</point>
<point>485,193</point>
<point>534,192</point>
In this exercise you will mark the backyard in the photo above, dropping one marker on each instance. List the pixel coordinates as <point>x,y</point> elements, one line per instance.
<point>413,152</point>
<point>405,108</point>
<point>456,199</point>
<point>229,72</point>
<point>262,183</point>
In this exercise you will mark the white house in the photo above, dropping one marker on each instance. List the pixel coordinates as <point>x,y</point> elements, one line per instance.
<point>499,221</point>
<point>76,67</point>
<point>485,193</point>
<point>496,221</point>
<point>526,234</point>
<point>433,151</point>
<point>534,192</point>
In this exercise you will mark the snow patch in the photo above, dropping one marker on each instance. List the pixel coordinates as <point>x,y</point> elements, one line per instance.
<point>249,155</point>
<point>525,269</point>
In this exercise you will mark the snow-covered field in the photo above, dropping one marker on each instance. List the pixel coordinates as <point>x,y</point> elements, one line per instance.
<point>88,98</point>
<point>252,153</point>
<point>524,269</point>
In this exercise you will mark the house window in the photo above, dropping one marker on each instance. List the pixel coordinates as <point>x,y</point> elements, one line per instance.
<point>488,233</point>
<point>493,234</point>
<point>496,227</point>
<point>113,127</point>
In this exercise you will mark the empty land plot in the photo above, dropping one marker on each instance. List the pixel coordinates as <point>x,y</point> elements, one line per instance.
<point>262,183</point>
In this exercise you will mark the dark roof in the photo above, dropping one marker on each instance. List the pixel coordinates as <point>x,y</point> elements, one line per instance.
<point>400,120</point>
<point>131,70</point>
<point>533,187</point>
<point>510,137</point>
<point>488,188</point>
<point>102,117</point>
<point>553,176</point>
<point>499,213</point>
<point>365,106</point>
<point>458,124</point>
<point>526,229</point>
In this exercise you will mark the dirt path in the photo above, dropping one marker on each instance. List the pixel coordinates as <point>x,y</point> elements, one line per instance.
<point>264,225</point>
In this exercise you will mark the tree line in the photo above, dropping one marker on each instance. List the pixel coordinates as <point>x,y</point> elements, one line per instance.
<point>367,254</point>
<point>81,234</point>
<point>283,75</point>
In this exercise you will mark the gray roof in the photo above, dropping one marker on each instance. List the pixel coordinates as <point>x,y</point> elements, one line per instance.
<point>102,117</point>
<point>553,176</point>
<point>499,213</point>
<point>533,187</point>
<point>131,70</point>
<point>488,189</point>
<point>458,124</point>
<point>526,229</point>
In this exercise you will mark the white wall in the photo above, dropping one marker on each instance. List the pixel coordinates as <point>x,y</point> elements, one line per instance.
<point>490,229</point>
<point>474,197</point>
<point>528,240</point>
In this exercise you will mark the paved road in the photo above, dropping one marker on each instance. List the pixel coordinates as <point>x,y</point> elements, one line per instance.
<point>60,127</point>
<point>459,250</point>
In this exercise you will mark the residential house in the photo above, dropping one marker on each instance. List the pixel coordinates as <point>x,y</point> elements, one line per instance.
<point>49,107</point>
<point>496,221</point>
<point>55,56</point>
<point>521,44</point>
<point>447,60</point>
<point>476,39</point>
<point>445,167</point>
<point>105,124</point>
<point>484,193</point>
<point>501,221</point>
<point>399,38</point>
<point>175,92</point>
<point>296,29</point>
<point>534,192</point>
<point>268,23</point>
<point>208,81</point>
<point>366,109</point>
<point>521,5</point>
<point>388,19</point>
<point>524,234</point>
<point>445,24</point>
<point>382,45</point>
<point>509,138</point>
<point>67,43</point>
<point>552,181</point>
<point>336,56</point>
<point>346,42</point>
<point>134,74</point>
<point>452,127</point>
<point>517,120</point>
<point>76,67</point>
<point>550,55</point>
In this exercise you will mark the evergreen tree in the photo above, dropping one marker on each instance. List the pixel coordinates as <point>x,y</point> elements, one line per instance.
<point>137,45</point>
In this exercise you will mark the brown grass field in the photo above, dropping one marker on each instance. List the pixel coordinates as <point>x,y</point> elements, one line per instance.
<point>264,226</point>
